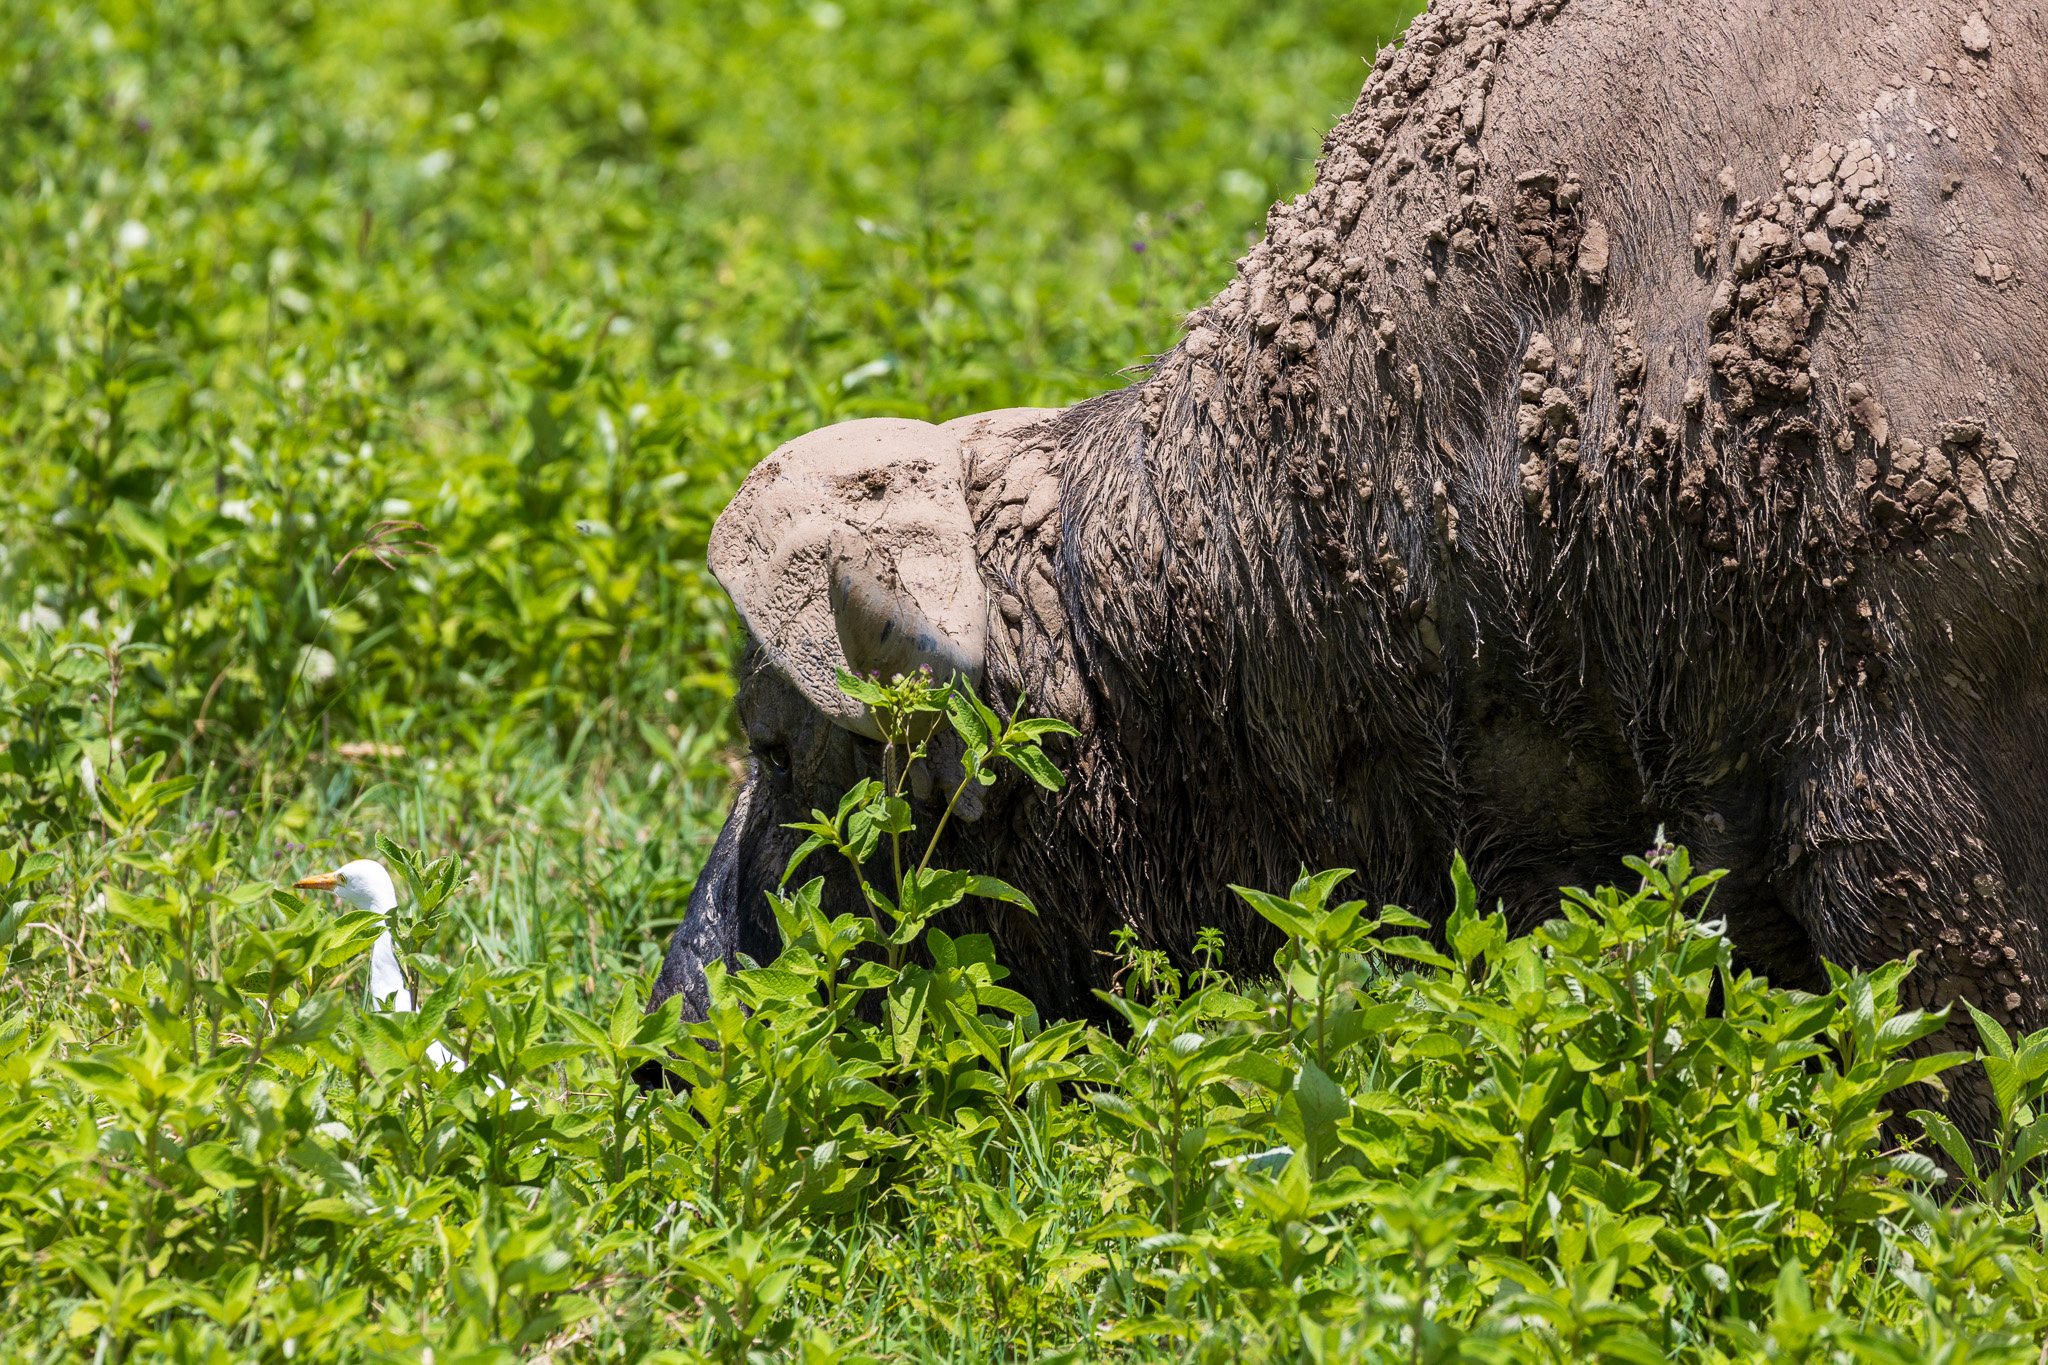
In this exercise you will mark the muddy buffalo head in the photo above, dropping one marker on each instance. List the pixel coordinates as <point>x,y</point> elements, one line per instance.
<point>849,548</point>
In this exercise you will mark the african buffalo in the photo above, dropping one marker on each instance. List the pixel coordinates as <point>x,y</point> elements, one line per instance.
<point>1639,423</point>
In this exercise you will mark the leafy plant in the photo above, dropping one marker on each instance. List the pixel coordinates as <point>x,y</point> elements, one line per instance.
<point>373,375</point>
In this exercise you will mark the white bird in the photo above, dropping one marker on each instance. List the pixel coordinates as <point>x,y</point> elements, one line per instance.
<point>367,886</point>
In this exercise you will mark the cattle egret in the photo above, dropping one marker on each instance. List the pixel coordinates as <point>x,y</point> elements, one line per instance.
<point>367,886</point>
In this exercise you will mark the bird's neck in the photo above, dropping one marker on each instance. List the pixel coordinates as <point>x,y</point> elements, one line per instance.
<point>387,980</point>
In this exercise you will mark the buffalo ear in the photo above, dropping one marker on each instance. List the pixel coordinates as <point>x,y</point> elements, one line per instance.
<point>852,548</point>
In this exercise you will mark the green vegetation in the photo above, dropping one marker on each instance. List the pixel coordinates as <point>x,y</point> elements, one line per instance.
<point>369,376</point>
<point>1596,1141</point>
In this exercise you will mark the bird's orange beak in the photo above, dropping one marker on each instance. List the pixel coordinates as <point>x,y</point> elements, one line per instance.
<point>319,881</point>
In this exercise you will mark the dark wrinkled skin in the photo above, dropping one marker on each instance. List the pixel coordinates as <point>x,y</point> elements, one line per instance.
<point>797,761</point>
<point>1764,566</point>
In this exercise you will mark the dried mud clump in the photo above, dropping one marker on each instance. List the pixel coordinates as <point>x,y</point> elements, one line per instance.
<point>1287,292</point>
<point>1547,426</point>
<point>1546,220</point>
<point>1913,491</point>
<point>1976,36</point>
<point>1594,250</point>
<point>1781,258</point>
<point>1425,101</point>
<point>1988,264</point>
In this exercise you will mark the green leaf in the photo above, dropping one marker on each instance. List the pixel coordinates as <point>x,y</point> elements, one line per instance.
<point>148,912</point>
<point>138,529</point>
<point>314,1019</point>
<point>1917,1166</point>
<point>35,867</point>
<point>1415,950</point>
<point>2030,1144</point>
<point>860,689</point>
<point>1951,1141</point>
<point>1038,727</point>
<point>927,891</point>
<point>804,850</point>
<point>1401,919</point>
<point>965,717</point>
<point>1461,883</point>
<point>1912,1070</point>
<point>1037,767</point>
<point>583,1028</point>
<point>542,1055</point>
<point>770,983</point>
<point>996,889</point>
<point>1323,1106</point>
<point>1284,915</point>
<point>221,1167</point>
<point>1997,1041</point>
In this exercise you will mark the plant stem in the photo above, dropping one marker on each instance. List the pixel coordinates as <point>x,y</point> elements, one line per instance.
<point>946,815</point>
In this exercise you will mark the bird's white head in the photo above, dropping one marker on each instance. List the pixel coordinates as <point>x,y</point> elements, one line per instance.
<point>363,883</point>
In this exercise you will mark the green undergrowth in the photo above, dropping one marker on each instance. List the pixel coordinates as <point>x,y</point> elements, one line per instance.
<point>1594,1141</point>
<point>375,370</point>
<point>370,375</point>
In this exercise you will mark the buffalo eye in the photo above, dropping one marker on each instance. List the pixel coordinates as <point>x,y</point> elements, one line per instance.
<point>776,756</point>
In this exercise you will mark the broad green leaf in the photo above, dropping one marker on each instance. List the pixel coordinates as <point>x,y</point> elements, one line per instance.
<point>1037,767</point>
